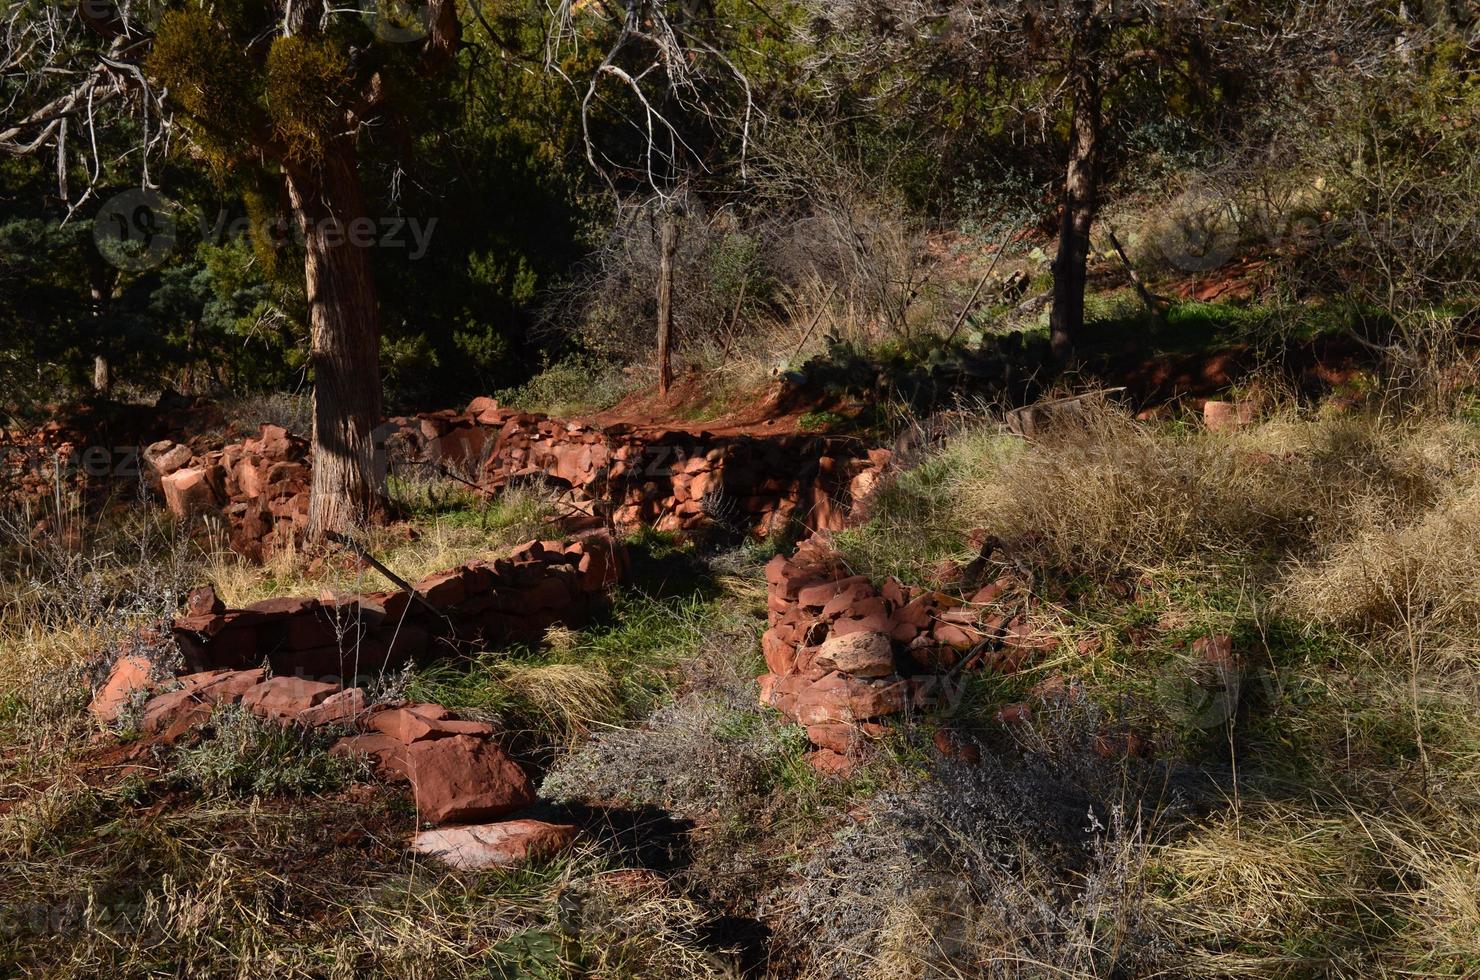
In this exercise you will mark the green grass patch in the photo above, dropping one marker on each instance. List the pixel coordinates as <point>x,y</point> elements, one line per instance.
<point>611,673</point>
<point>245,756</point>
<point>922,517</point>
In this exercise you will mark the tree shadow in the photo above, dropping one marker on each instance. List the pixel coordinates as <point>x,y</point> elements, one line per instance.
<point>649,838</point>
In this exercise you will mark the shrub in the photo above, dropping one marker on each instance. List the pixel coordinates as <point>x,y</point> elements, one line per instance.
<point>245,756</point>
<point>575,384</point>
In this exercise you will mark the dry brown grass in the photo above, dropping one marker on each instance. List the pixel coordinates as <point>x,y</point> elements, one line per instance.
<point>1340,548</point>
<point>1417,573</point>
<point>1290,890</point>
<point>165,897</point>
<point>1108,493</point>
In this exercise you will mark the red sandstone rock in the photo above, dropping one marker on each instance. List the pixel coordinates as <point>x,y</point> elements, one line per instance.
<point>402,725</point>
<point>164,458</point>
<point>782,692</point>
<point>223,686</point>
<point>284,606</point>
<point>953,745</point>
<point>840,698</point>
<point>1216,651</point>
<point>204,602</point>
<point>877,621</point>
<point>496,845</point>
<point>859,654</point>
<point>188,492</point>
<point>767,684</point>
<point>1123,745</point>
<point>463,778</point>
<point>846,602</point>
<point>337,709</point>
<point>1056,688</point>
<point>990,593</point>
<point>1015,714</point>
<point>174,710</point>
<point>932,657</point>
<point>443,589</point>
<point>844,738</point>
<point>957,636</point>
<point>130,674</point>
<point>429,710</point>
<point>918,612</point>
<point>780,655</point>
<point>1221,416</point>
<point>410,725</point>
<point>817,596</point>
<point>284,698</point>
<point>388,755</point>
<point>903,632</point>
<point>548,593</point>
<point>1025,640</point>
<point>829,763</point>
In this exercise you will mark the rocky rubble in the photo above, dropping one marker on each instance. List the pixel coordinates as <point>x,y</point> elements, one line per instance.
<point>457,772</point>
<point>618,476</point>
<point>509,599</point>
<point>671,479</point>
<point>843,654</point>
<point>92,448</point>
<point>258,487</point>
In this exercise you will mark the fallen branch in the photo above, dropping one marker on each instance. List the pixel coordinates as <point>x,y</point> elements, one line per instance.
<point>966,310</point>
<point>821,309</point>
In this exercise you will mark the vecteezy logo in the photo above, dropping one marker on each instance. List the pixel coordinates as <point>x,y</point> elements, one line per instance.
<point>399,22</point>
<point>135,230</point>
<point>1202,236</point>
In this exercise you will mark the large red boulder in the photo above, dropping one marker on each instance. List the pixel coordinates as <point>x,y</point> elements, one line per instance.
<point>465,779</point>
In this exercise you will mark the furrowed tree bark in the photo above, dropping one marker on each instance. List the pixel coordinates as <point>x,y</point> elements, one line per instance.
<point>1081,187</point>
<point>348,488</point>
<point>667,246</point>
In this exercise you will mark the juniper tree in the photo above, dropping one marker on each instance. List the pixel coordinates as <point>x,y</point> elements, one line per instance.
<point>287,88</point>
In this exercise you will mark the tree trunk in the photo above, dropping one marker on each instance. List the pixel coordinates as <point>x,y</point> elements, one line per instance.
<point>1081,184</point>
<point>667,246</point>
<point>348,488</point>
<point>101,278</point>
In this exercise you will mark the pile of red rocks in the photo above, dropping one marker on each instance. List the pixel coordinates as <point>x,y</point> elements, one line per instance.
<point>92,448</point>
<point>458,773</point>
<point>621,476</point>
<point>671,479</point>
<point>34,461</point>
<point>843,654</point>
<point>509,599</point>
<point>259,487</point>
